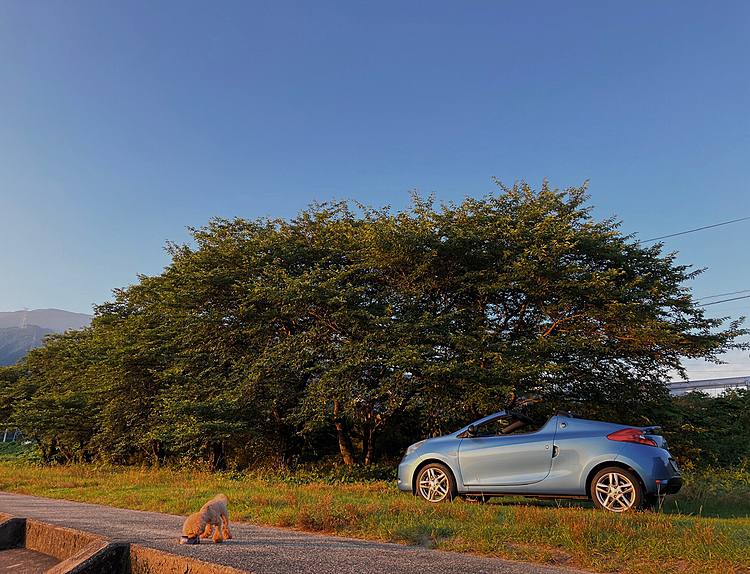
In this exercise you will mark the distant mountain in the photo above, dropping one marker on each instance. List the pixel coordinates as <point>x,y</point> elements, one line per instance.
<point>55,319</point>
<point>23,330</point>
<point>15,342</point>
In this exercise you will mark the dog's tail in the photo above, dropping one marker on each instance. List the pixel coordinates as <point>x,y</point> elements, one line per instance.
<point>221,497</point>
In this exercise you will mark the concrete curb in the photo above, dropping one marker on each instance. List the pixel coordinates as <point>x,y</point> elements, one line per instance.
<point>83,553</point>
<point>99,556</point>
<point>149,561</point>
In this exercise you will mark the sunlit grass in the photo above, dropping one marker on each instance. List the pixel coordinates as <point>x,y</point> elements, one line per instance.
<point>675,539</point>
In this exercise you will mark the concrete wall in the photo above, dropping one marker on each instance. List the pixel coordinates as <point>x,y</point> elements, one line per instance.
<point>62,543</point>
<point>149,561</point>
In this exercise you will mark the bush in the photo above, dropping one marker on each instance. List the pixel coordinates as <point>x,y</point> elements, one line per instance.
<point>10,450</point>
<point>709,432</point>
<point>715,491</point>
<point>326,473</point>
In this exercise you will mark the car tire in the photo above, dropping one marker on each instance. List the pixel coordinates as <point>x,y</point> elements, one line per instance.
<point>616,490</point>
<point>435,483</point>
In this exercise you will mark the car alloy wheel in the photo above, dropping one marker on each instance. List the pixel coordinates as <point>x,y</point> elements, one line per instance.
<point>435,483</point>
<point>616,490</point>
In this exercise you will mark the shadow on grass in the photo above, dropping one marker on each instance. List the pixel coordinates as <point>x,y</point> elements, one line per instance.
<point>671,505</point>
<point>545,502</point>
<point>703,509</point>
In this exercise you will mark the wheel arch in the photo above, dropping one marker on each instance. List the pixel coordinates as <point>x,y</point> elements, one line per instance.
<point>609,464</point>
<point>424,463</point>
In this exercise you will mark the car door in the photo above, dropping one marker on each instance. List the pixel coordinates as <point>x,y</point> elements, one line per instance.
<point>490,459</point>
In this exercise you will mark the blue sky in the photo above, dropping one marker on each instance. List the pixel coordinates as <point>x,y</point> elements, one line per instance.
<point>122,123</point>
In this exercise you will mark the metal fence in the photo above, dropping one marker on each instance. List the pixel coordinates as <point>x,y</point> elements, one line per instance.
<point>712,387</point>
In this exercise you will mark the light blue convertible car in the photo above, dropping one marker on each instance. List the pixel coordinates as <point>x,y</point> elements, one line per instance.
<point>620,468</point>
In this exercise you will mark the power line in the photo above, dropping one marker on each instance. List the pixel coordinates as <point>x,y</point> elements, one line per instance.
<point>723,294</point>
<point>698,229</point>
<point>724,301</point>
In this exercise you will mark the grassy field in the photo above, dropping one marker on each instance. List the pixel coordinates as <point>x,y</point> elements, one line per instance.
<point>705,529</point>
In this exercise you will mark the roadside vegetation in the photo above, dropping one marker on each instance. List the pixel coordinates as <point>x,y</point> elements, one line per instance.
<point>10,451</point>
<point>705,529</point>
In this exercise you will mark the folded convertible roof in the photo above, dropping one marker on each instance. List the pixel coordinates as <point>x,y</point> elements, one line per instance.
<point>568,415</point>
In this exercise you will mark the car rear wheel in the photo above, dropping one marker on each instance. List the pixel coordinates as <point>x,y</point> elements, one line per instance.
<point>616,490</point>
<point>435,483</point>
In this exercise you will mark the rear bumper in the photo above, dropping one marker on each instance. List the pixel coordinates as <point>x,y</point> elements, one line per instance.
<point>655,466</point>
<point>670,486</point>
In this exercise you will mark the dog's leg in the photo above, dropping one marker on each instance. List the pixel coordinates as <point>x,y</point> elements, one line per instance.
<point>207,532</point>
<point>217,535</point>
<point>225,526</point>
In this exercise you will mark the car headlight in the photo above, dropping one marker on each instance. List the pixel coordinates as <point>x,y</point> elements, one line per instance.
<point>414,447</point>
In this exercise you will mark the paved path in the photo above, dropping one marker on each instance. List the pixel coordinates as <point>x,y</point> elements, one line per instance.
<point>261,549</point>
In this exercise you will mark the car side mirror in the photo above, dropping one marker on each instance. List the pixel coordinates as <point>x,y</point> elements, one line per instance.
<point>472,430</point>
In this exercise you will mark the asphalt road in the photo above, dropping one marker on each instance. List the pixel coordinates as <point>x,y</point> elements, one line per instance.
<point>261,549</point>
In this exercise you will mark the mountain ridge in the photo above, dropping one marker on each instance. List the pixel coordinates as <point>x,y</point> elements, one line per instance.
<point>15,342</point>
<point>56,319</point>
<point>21,331</point>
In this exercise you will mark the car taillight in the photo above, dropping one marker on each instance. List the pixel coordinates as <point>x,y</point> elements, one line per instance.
<point>631,435</point>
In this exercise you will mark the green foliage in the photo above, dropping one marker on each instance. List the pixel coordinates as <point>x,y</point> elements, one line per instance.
<point>712,491</point>
<point>20,453</point>
<point>705,432</point>
<point>9,450</point>
<point>51,399</point>
<point>356,330</point>
<point>326,474</point>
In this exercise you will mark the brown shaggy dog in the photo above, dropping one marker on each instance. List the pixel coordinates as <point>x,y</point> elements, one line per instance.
<point>213,513</point>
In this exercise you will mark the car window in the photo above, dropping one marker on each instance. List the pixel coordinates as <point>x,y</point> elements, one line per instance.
<point>507,425</point>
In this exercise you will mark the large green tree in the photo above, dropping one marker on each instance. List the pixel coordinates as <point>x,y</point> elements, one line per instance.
<point>281,339</point>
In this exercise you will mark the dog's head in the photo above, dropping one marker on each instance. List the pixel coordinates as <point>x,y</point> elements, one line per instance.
<point>194,525</point>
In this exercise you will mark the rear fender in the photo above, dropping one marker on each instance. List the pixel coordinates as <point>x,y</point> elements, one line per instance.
<point>610,463</point>
<point>647,461</point>
<point>580,483</point>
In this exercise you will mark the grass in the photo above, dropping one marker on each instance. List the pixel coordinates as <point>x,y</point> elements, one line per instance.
<point>714,493</point>
<point>10,451</point>
<point>704,529</point>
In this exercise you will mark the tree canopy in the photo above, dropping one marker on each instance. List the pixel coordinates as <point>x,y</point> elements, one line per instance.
<point>356,330</point>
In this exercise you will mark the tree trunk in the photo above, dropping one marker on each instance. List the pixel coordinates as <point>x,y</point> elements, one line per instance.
<point>157,450</point>
<point>345,442</point>
<point>369,447</point>
<point>217,458</point>
<point>49,450</point>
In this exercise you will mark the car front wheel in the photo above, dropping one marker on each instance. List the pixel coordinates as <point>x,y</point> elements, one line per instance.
<point>616,490</point>
<point>435,483</point>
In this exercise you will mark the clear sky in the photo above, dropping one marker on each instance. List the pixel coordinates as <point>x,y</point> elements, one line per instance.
<point>122,123</point>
